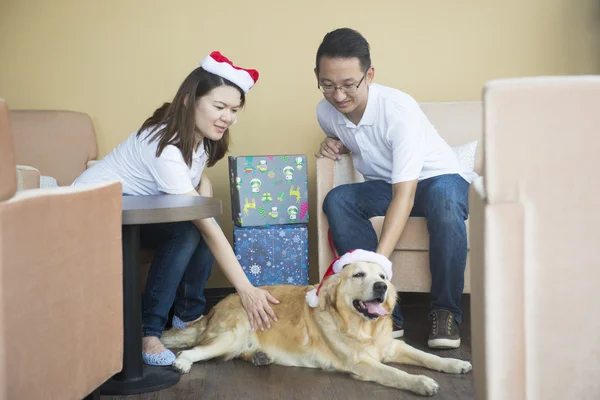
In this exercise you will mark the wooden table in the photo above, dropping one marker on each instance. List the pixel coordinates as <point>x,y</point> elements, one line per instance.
<point>137,377</point>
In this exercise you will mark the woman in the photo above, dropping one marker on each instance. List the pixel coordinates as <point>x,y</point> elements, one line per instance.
<point>168,155</point>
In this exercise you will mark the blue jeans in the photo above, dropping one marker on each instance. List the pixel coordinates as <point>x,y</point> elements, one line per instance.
<point>443,200</point>
<point>181,266</point>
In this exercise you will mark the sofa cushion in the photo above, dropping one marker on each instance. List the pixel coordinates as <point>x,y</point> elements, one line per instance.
<point>413,274</point>
<point>415,235</point>
<point>466,154</point>
<point>47,182</point>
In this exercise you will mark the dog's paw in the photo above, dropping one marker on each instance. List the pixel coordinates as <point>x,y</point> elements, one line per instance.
<point>260,359</point>
<point>425,385</point>
<point>182,364</point>
<point>455,366</point>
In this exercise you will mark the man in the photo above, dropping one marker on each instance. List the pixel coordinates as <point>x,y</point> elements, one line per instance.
<point>409,171</point>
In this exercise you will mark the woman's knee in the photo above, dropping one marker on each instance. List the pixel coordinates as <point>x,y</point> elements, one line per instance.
<point>184,232</point>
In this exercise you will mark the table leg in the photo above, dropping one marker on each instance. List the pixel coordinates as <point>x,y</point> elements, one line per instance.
<point>136,377</point>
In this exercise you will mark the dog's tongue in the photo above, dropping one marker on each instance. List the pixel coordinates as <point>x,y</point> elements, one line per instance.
<point>374,307</point>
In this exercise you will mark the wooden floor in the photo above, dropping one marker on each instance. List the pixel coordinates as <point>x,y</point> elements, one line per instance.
<point>239,380</point>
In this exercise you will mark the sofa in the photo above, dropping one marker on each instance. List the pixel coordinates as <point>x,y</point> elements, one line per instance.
<point>61,298</point>
<point>459,123</point>
<point>56,147</point>
<point>534,220</point>
<point>56,144</point>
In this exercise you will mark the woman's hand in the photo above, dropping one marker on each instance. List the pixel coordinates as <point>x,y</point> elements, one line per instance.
<point>255,300</point>
<point>256,303</point>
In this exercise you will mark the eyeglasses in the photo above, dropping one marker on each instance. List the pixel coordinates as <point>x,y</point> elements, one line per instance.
<point>347,89</point>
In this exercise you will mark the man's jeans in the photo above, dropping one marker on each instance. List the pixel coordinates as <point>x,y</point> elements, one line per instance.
<point>178,274</point>
<point>443,200</point>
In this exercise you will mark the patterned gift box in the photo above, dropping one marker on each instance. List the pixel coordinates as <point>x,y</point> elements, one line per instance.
<point>273,255</point>
<point>268,190</point>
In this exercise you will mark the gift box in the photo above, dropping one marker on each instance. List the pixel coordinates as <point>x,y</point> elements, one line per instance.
<point>268,190</point>
<point>273,255</point>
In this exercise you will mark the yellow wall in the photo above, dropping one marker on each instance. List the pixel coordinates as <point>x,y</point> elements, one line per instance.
<point>117,60</point>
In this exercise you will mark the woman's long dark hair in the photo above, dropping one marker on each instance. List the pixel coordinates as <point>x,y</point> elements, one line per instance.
<point>179,121</point>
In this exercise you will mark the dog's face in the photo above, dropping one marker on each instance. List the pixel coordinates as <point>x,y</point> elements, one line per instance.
<point>363,287</point>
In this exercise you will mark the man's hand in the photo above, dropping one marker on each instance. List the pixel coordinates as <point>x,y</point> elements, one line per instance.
<point>403,199</point>
<point>331,148</point>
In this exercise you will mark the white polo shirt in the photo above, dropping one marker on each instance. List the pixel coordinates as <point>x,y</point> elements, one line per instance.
<point>135,165</point>
<point>394,141</point>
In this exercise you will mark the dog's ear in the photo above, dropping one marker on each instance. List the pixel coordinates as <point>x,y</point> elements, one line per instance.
<point>390,301</point>
<point>328,292</point>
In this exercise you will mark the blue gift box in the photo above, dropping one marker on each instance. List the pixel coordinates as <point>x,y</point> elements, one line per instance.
<point>273,255</point>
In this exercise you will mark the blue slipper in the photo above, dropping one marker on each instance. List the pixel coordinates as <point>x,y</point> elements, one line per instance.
<point>179,324</point>
<point>163,358</point>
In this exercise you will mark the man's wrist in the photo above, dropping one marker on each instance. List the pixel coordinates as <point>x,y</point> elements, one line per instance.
<point>383,250</point>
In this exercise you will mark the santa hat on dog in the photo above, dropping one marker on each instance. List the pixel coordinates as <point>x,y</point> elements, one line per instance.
<point>312,297</point>
<point>216,63</point>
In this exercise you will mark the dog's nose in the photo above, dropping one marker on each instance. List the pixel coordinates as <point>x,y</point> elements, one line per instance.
<point>379,288</point>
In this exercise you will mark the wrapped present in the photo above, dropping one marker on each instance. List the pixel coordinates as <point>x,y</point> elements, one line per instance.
<point>273,255</point>
<point>269,190</point>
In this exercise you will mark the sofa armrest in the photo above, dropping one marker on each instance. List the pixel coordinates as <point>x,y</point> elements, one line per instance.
<point>325,180</point>
<point>329,175</point>
<point>477,210</point>
<point>27,177</point>
<point>61,273</point>
<point>344,171</point>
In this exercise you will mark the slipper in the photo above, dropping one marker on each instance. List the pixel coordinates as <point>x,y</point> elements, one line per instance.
<point>163,358</point>
<point>179,324</point>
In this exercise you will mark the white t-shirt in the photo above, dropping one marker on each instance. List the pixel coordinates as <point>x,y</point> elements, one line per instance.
<point>135,165</point>
<point>394,141</point>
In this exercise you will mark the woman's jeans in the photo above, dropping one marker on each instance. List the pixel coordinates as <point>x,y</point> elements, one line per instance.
<point>181,266</point>
<point>443,200</point>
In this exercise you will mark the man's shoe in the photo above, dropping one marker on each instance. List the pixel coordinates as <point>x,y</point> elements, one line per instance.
<point>397,331</point>
<point>444,331</point>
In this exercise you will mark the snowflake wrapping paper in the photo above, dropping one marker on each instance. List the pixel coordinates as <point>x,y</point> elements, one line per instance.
<point>268,190</point>
<point>273,255</point>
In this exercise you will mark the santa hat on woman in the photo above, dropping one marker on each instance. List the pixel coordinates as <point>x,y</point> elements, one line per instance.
<point>312,297</point>
<point>216,63</point>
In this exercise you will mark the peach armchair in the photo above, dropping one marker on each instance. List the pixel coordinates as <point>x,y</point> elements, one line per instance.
<point>534,236</point>
<point>61,307</point>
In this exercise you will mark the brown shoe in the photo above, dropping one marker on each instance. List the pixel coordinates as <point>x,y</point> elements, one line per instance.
<point>444,331</point>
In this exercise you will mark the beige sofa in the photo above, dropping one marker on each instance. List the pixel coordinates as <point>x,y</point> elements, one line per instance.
<point>535,301</point>
<point>458,123</point>
<point>58,144</point>
<point>61,300</point>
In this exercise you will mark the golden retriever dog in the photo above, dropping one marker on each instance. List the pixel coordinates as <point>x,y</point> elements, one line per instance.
<point>350,331</point>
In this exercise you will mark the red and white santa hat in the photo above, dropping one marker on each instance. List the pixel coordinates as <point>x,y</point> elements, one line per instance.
<point>216,63</point>
<point>312,296</point>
